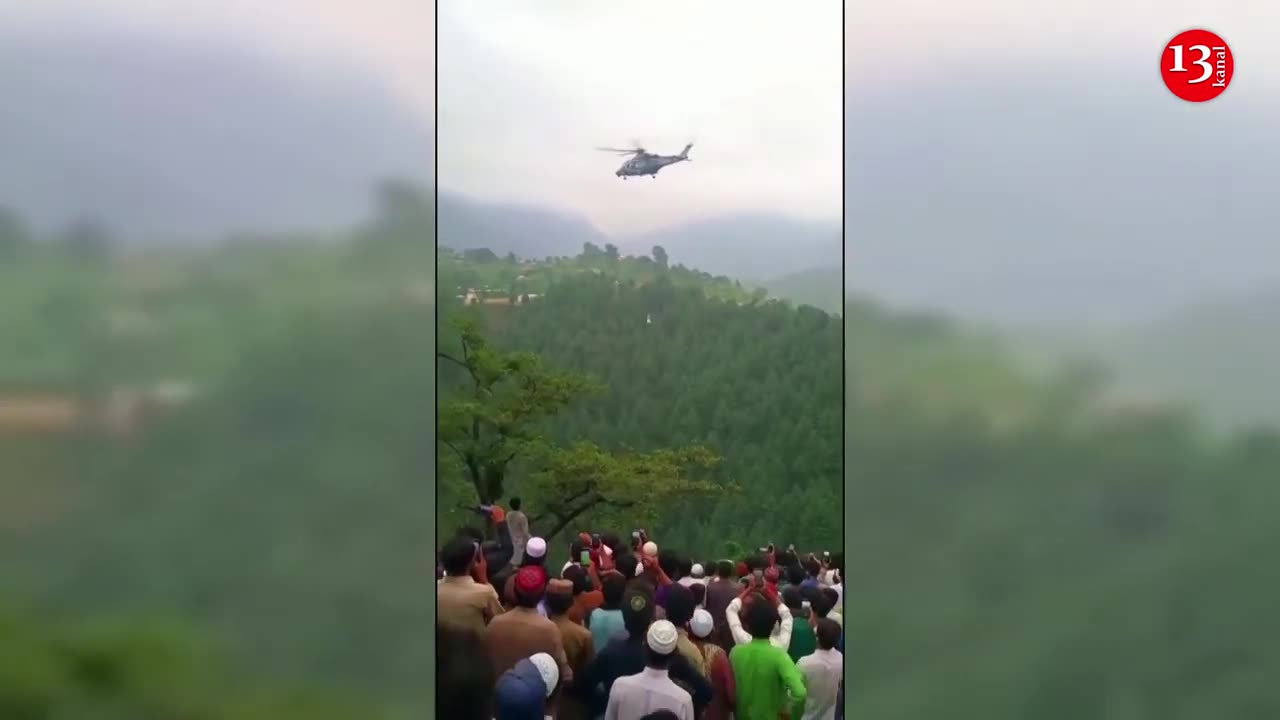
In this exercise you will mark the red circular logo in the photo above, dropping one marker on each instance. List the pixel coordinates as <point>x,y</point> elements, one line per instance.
<point>1197,65</point>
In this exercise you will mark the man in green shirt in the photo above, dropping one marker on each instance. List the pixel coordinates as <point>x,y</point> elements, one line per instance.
<point>803,640</point>
<point>763,674</point>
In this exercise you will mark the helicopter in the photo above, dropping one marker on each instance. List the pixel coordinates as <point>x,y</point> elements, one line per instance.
<point>645,163</point>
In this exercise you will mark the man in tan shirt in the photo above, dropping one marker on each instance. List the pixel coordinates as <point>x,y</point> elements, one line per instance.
<point>522,631</point>
<point>578,645</point>
<point>464,597</point>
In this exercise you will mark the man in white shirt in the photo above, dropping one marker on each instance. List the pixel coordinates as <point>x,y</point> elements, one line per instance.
<point>781,637</point>
<point>823,671</point>
<point>634,696</point>
<point>697,576</point>
<point>518,526</point>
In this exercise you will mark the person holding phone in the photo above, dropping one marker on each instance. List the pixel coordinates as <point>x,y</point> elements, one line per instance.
<point>464,596</point>
<point>759,592</point>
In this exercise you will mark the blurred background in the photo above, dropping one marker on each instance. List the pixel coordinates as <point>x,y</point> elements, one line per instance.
<point>217,394</point>
<point>1063,392</point>
<point>216,386</point>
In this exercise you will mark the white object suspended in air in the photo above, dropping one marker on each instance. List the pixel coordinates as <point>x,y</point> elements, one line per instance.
<point>648,319</point>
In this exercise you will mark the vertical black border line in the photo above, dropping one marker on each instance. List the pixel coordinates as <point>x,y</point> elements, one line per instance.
<point>844,330</point>
<point>435,338</point>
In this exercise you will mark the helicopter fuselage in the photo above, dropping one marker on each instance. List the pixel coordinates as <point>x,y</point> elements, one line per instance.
<point>646,164</point>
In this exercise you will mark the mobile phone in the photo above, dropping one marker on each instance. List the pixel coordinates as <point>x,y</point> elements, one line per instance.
<point>586,557</point>
<point>595,541</point>
<point>826,553</point>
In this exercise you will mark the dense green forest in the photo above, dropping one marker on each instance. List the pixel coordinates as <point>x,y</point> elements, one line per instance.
<point>757,382</point>
<point>1015,546</point>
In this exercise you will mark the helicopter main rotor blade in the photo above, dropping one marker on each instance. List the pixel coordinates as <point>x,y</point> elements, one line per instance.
<point>631,151</point>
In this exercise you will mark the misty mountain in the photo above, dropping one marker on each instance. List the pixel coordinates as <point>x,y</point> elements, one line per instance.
<point>527,231</point>
<point>173,141</point>
<point>747,245</point>
<point>821,287</point>
<point>1221,357</point>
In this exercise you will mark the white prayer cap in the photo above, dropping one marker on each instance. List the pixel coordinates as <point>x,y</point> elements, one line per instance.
<point>662,637</point>
<point>536,547</point>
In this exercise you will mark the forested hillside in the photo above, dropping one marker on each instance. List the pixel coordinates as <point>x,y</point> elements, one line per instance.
<point>758,382</point>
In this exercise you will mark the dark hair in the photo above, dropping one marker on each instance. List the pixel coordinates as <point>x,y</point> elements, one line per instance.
<point>464,677</point>
<point>470,533</point>
<point>725,569</point>
<point>755,561</point>
<point>788,558</point>
<point>661,715</point>
<point>680,605</point>
<point>795,574</point>
<point>657,659</point>
<point>759,617</point>
<point>576,575</point>
<point>457,555</point>
<point>828,633</point>
<point>833,597</point>
<point>558,603</point>
<point>611,540</point>
<point>613,585</point>
<point>626,564</point>
<point>820,603</point>
<point>699,593</point>
<point>669,561</point>
<point>515,503</point>
<point>812,566</point>
<point>636,616</point>
<point>575,550</point>
<point>686,567</point>
<point>791,597</point>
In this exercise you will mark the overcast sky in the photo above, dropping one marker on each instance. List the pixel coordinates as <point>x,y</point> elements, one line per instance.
<point>528,90</point>
<point>394,39</point>
<point>998,151</point>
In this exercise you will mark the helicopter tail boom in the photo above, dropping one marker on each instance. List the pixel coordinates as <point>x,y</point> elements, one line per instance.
<point>684,154</point>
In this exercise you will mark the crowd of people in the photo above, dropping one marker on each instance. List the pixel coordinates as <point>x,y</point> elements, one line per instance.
<point>627,631</point>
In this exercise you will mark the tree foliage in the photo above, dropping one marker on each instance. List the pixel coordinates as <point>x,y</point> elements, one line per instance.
<point>585,483</point>
<point>497,417</point>
<point>491,423</point>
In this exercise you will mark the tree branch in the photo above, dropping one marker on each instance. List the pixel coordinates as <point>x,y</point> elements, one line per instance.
<point>568,518</point>
<point>461,455</point>
<point>560,511</point>
<point>452,359</point>
<point>572,514</point>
